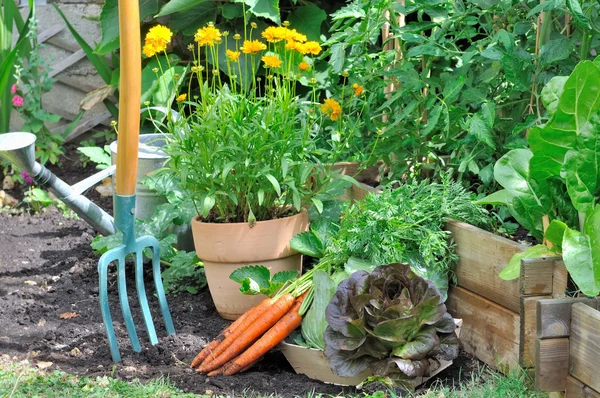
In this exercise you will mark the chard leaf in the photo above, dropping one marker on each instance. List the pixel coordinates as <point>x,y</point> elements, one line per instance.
<point>556,232</point>
<point>581,254</point>
<point>314,323</point>
<point>513,268</point>
<point>551,93</point>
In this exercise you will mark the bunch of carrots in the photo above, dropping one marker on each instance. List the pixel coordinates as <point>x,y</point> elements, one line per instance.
<point>245,341</point>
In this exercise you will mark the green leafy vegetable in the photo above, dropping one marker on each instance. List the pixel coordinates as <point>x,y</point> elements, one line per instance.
<point>391,321</point>
<point>314,323</point>
<point>256,279</point>
<point>513,268</point>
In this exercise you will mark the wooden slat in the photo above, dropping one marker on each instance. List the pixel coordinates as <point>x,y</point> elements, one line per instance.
<point>528,330</point>
<point>87,124</point>
<point>576,389</point>
<point>489,331</point>
<point>482,255</point>
<point>65,63</point>
<point>536,275</point>
<point>64,44</point>
<point>585,345</point>
<point>76,84</point>
<point>554,316</point>
<point>50,32</point>
<point>552,364</point>
<point>559,280</point>
<point>358,193</point>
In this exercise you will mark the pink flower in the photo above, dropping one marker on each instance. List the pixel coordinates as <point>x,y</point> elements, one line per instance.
<point>26,177</point>
<point>17,101</point>
<point>13,89</point>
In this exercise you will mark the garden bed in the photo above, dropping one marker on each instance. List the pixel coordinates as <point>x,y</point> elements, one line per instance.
<point>54,252</point>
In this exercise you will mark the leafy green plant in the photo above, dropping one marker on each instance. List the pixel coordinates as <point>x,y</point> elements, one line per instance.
<point>100,156</point>
<point>37,199</point>
<point>390,321</point>
<point>9,18</point>
<point>557,178</point>
<point>256,279</point>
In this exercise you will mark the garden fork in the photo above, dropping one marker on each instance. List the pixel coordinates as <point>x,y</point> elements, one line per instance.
<point>124,198</point>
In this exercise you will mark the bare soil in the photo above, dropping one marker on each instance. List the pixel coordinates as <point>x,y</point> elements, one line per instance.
<point>47,268</point>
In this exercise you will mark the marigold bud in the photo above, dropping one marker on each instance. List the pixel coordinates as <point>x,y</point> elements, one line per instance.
<point>155,70</point>
<point>237,36</point>
<point>345,74</point>
<point>286,23</point>
<point>254,25</point>
<point>113,123</point>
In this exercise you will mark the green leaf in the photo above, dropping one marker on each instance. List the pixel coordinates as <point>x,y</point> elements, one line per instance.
<point>318,204</point>
<point>337,57</point>
<point>179,6</point>
<point>422,343</point>
<point>308,243</point>
<point>308,20</point>
<point>274,182</point>
<point>581,254</point>
<point>259,274</point>
<point>263,8</point>
<point>482,124</point>
<point>96,154</point>
<point>357,264</point>
<point>261,196</point>
<point>189,21</point>
<point>517,71</point>
<point>513,268</point>
<point>578,16</point>
<point>501,197</point>
<point>314,323</point>
<point>551,93</point>
<point>284,276</point>
<point>251,287</point>
<point>485,4</point>
<point>426,49</point>
<point>556,50</point>
<point>556,232</point>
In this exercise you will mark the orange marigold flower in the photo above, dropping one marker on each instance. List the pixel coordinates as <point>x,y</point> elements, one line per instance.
<point>182,98</point>
<point>292,45</point>
<point>304,66</point>
<point>207,36</point>
<point>271,61</point>
<point>331,108</point>
<point>149,50</point>
<point>358,90</point>
<point>298,36</point>
<point>233,56</point>
<point>253,47</point>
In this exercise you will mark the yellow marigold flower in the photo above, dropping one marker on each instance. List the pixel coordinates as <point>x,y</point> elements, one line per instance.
<point>232,55</point>
<point>274,34</point>
<point>331,108</point>
<point>157,39</point>
<point>358,90</point>
<point>208,36</point>
<point>311,47</point>
<point>298,36</point>
<point>149,50</point>
<point>292,45</point>
<point>182,98</point>
<point>253,47</point>
<point>304,66</point>
<point>271,61</point>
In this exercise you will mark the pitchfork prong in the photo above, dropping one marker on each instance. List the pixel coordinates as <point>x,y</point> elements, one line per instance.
<point>151,241</point>
<point>104,307</point>
<point>141,290</point>
<point>121,283</point>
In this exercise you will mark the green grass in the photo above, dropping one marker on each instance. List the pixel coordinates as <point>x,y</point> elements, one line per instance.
<point>21,380</point>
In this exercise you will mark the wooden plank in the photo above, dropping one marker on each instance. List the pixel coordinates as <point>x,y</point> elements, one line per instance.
<point>553,318</point>
<point>50,32</point>
<point>576,389</point>
<point>64,44</point>
<point>87,124</point>
<point>528,330</point>
<point>65,63</point>
<point>489,331</point>
<point>536,275</point>
<point>76,84</point>
<point>552,364</point>
<point>585,345</point>
<point>358,193</point>
<point>560,279</point>
<point>482,255</point>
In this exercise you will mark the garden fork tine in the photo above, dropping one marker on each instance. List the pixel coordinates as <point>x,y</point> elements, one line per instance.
<point>124,198</point>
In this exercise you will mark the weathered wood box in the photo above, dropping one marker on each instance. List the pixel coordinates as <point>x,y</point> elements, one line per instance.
<point>568,347</point>
<point>499,316</point>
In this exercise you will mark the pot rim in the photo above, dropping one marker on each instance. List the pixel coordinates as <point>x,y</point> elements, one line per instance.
<point>196,219</point>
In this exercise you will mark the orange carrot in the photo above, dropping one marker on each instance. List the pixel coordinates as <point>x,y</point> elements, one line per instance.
<point>274,336</point>
<point>210,347</point>
<point>252,315</point>
<point>251,333</point>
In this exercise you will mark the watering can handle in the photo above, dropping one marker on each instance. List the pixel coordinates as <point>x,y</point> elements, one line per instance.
<point>129,98</point>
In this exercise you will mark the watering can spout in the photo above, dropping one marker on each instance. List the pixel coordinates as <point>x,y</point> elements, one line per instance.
<point>19,150</point>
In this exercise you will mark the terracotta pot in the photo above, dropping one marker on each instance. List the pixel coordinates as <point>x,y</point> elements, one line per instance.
<point>226,247</point>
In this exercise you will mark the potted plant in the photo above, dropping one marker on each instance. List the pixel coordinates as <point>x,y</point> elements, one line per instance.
<point>243,152</point>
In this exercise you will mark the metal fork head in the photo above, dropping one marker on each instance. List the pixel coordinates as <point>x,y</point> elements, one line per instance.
<point>134,247</point>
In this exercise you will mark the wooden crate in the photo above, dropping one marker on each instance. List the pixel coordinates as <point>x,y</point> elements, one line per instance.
<point>499,316</point>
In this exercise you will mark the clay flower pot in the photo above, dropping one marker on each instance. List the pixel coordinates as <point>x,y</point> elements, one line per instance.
<point>226,247</point>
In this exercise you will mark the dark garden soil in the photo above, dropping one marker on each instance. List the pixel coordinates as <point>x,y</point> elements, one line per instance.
<point>47,268</point>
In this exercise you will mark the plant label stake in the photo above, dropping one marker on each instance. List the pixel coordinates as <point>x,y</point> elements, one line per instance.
<point>124,198</point>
